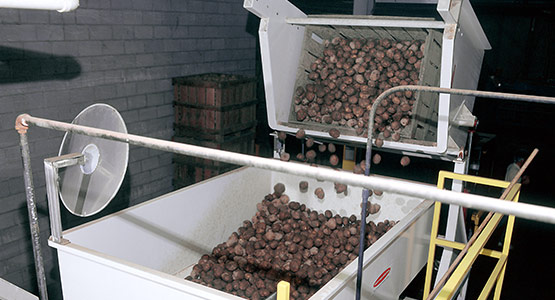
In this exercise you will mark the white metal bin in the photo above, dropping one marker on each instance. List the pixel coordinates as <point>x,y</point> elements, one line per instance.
<point>145,251</point>
<point>457,64</point>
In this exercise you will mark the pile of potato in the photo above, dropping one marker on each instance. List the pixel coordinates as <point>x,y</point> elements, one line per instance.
<point>285,240</point>
<point>350,74</point>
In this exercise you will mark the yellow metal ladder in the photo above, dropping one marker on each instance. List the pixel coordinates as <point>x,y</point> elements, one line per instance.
<point>460,273</point>
<point>283,290</point>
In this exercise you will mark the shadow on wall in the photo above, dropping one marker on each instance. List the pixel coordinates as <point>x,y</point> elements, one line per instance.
<point>251,27</point>
<point>19,65</point>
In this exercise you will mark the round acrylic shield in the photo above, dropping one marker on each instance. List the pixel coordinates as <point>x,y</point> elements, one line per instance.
<point>87,189</point>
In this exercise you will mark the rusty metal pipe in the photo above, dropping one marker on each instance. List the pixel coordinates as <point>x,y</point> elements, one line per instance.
<point>432,89</point>
<point>32,210</point>
<point>413,189</point>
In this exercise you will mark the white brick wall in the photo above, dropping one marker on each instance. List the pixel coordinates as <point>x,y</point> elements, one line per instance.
<point>120,52</point>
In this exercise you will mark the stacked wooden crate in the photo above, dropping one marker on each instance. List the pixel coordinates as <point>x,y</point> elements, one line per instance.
<point>215,111</point>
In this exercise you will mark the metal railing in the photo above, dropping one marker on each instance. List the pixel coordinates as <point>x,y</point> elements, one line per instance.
<point>526,211</point>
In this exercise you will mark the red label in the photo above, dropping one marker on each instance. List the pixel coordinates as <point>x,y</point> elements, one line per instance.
<point>382,277</point>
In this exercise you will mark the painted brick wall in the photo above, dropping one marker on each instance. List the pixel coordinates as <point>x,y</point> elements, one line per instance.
<point>120,52</point>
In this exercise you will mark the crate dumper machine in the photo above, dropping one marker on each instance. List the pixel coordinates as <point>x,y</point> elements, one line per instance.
<point>290,41</point>
<point>145,251</point>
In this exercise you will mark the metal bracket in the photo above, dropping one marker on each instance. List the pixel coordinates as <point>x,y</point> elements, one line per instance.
<point>62,240</point>
<point>464,117</point>
<point>450,10</point>
<point>279,147</point>
<point>51,166</point>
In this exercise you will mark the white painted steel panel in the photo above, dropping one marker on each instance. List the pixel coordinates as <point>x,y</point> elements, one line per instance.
<point>280,51</point>
<point>447,51</point>
<point>171,232</point>
<point>468,56</point>
<point>11,291</point>
<point>404,252</point>
<point>87,274</point>
<point>366,21</point>
<point>136,253</point>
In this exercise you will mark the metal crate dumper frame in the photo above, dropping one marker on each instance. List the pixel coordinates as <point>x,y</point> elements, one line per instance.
<point>452,59</point>
<point>143,252</point>
<point>284,35</point>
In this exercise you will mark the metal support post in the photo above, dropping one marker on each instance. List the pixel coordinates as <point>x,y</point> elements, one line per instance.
<point>32,209</point>
<point>279,146</point>
<point>363,7</point>
<point>51,177</point>
<point>51,166</point>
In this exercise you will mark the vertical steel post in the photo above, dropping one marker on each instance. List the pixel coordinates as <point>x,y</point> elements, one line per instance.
<point>32,211</point>
<point>51,176</point>
<point>51,166</point>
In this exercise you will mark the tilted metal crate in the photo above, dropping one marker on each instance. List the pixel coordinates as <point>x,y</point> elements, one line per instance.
<point>444,131</point>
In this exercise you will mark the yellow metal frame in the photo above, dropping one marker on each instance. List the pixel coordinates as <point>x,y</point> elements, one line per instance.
<point>349,165</point>
<point>456,279</point>
<point>283,290</point>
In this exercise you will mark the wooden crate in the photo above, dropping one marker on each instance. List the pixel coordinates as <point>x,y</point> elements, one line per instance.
<point>239,142</point>
<point>198,120</point>
<point>425,110</point>
<point>189,170</point>
<point>216,111</point>
<point>214,90</point>
<point>214,104</point>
